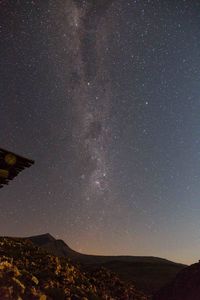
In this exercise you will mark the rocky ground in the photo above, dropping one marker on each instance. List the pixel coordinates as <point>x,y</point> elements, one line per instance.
<point>28,273</point>
<point>186,285</point>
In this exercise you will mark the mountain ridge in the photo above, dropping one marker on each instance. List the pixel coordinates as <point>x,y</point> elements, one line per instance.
<point>148,273</point>
<point>29,272</point>
<point>46,238</point>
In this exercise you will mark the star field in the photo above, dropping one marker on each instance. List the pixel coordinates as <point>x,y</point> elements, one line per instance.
<point>105,97</point>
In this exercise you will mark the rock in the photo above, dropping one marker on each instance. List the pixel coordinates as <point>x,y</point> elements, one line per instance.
<point>186,285</point>
<point>29,272</point>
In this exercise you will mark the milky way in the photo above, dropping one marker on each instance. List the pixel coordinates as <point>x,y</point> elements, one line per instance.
<point>104,97</point>
<point>91,95</point>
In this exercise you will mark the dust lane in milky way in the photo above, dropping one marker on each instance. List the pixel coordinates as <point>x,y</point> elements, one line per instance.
<point>91,96</point>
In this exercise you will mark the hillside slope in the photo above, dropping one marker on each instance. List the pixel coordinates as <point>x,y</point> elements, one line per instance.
<point>28,272</point>
<point>148,273</point>
<point>186,286</point>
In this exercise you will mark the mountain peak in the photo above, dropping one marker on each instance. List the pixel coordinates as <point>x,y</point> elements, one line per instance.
<point>42,239</point>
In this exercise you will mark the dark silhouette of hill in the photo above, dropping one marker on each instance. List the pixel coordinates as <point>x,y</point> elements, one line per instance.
<point>29,272</point>
<point>186,285</point>
<point>56,247</point>
<point>148,273</point>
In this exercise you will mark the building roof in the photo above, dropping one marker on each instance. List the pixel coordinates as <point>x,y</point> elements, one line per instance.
<point>11,165</point>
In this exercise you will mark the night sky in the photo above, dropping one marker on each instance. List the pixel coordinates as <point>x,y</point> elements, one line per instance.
<point>105,97</point>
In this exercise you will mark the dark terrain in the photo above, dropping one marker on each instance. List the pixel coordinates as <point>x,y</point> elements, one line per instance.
<point>186,286</point>
<point>149,274</point>
<point>28,272</point>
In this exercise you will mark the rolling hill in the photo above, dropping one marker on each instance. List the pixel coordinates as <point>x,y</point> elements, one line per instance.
<point>28,272</point>
<point>149,274</point>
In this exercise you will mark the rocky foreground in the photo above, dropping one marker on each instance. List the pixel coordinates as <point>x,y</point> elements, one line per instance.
<point>186,285</point>
<point>28,272</point>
